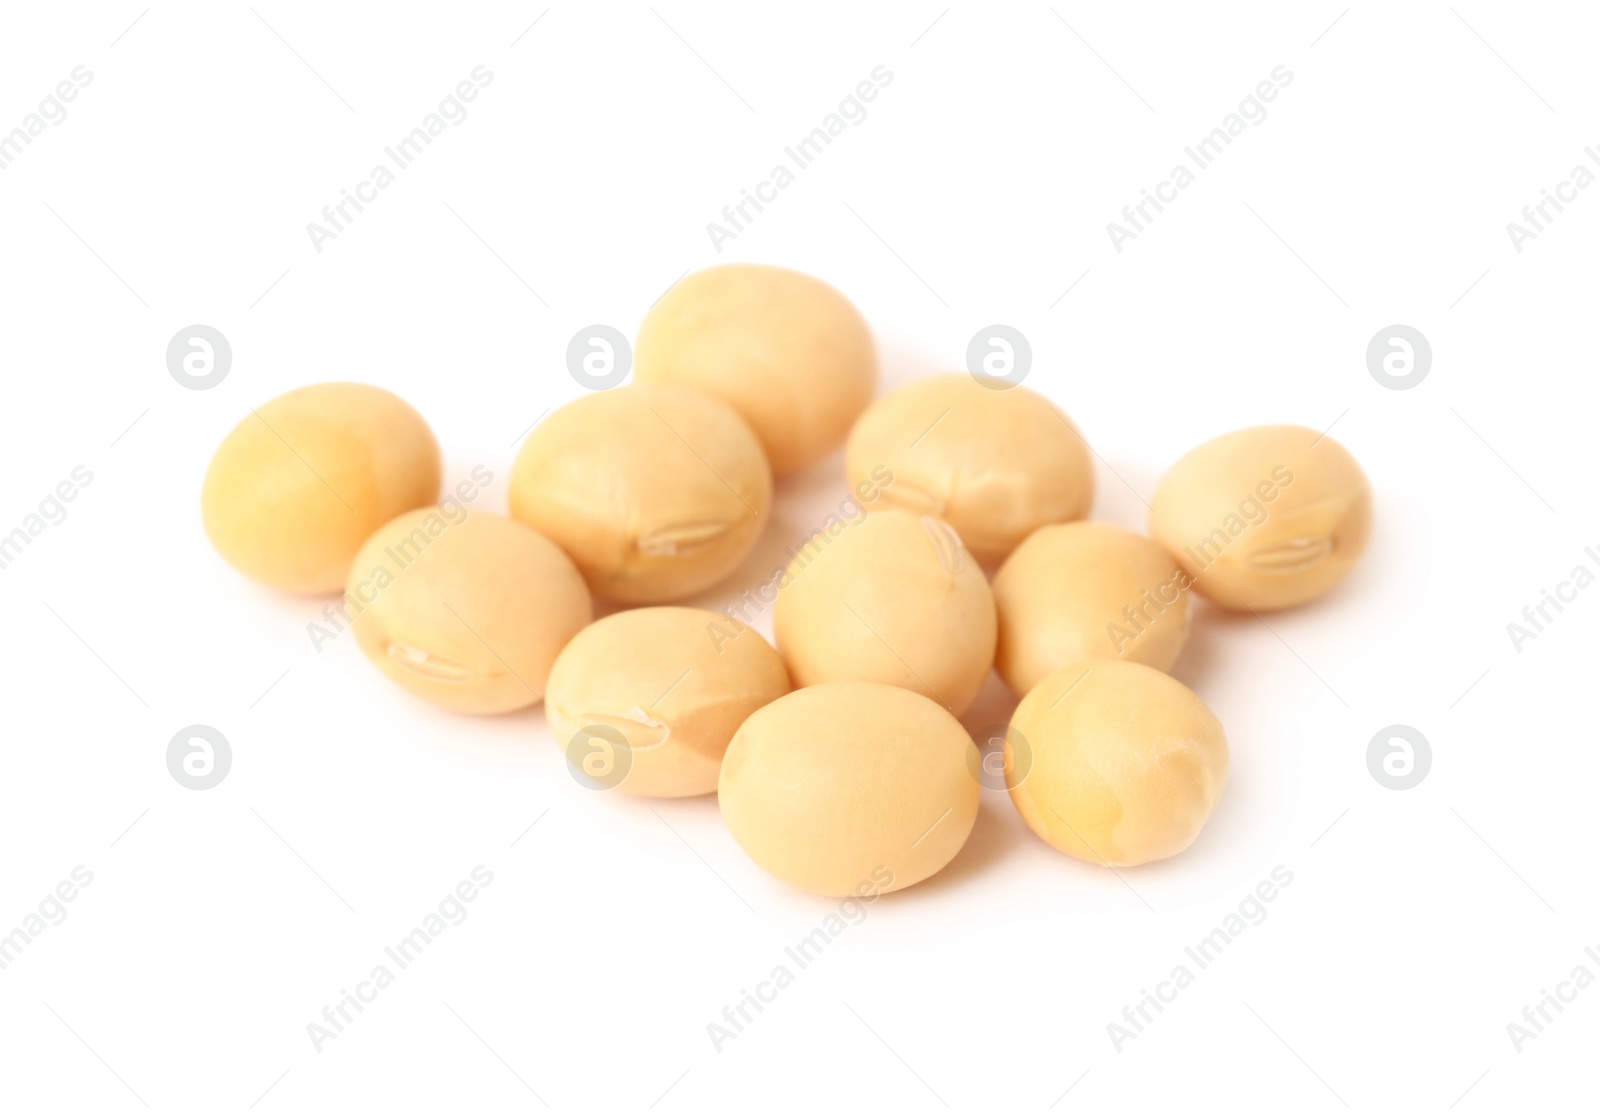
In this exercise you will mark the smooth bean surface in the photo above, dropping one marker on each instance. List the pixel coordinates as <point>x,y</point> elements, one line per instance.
<point>792,355</point>
<point>302,482</point>
<point>850,788</point>
<point>889,597</point>
<point>1087,590</point>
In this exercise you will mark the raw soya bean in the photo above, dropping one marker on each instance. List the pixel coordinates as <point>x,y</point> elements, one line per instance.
<point>788,352</point>
<point>995,465</point>
<point>655,492</point>
<point>296,488</point>
<point>1115,762</point>
<point>467,610</point>
<point>1264,518</point>
<point>850,788</point>
<point>646,700</point>
<point>889,597</point>
<point>1087,590</point>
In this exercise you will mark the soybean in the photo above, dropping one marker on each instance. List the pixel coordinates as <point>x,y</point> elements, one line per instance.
<point>850,788</point>
<point>889,597</point>
<point>466,609</point>
<point>1114,762</point>
<point>645,701</point>
<point>296,488</point>
<point>1087,590</point>
<point>792,355</point>
<point>994,464</point>
<point>1264,518</point>
<point>655,492</point>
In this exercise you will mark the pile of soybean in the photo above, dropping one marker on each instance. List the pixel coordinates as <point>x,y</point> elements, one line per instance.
<point>837,758</point>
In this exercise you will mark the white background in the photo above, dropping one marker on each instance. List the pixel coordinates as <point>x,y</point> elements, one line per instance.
<point>978,190</point>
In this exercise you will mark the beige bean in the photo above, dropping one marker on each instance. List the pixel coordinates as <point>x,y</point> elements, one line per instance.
<point>788,352</point>
<point>655,492</point>
<point>467,610</point>
<point>1263,518</point>
<point>1114,762</point>
<point>672,684</point>
<point>1087,590</point>
<point>850,788</point>
<point>994,464</point>
<point>889,597</point>
<point>296,488</point>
